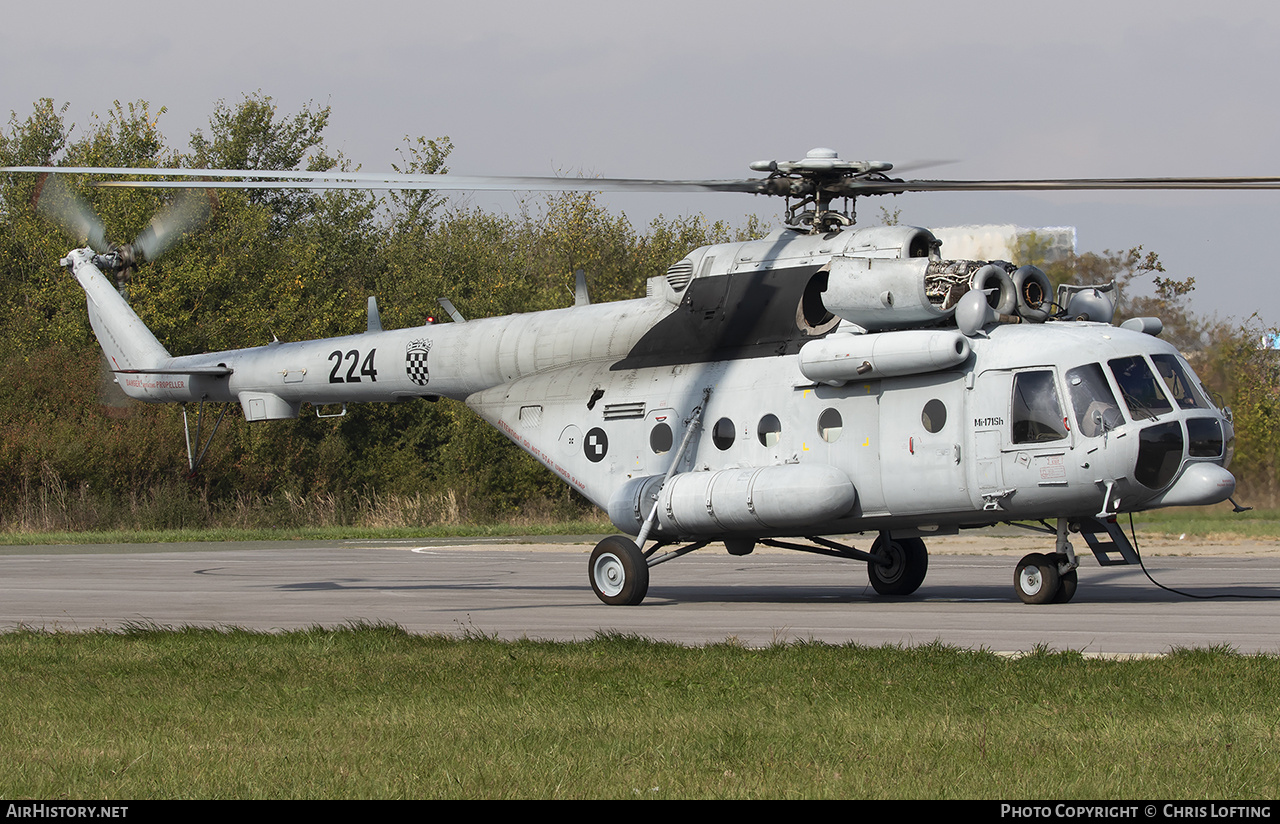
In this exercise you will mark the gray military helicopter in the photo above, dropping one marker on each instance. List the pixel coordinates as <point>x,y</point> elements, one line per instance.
<point>825,380</point>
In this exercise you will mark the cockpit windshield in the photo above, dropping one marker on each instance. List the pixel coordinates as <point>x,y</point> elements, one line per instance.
<point>1140,388</point>
<point>1175,377</point>
<point>1095,405</point>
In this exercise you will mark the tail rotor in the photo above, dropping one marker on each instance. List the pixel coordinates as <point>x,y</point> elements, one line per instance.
<point>189,210</point>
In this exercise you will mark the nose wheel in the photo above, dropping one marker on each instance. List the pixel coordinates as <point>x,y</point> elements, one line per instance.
<point>1038,581</point>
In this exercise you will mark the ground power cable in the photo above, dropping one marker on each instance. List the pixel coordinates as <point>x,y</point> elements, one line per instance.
<point>1243,595</point>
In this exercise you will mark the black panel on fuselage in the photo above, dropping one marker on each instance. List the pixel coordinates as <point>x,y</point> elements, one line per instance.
<point>728,317</point>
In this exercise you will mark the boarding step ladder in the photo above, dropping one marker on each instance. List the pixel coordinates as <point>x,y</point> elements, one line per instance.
<point>1115,549</point>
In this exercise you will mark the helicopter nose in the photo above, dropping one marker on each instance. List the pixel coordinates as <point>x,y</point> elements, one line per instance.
<point>1200,484</point>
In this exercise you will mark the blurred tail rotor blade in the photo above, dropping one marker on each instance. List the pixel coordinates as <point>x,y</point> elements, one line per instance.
<point>186,213</point>
<point>55,199</point>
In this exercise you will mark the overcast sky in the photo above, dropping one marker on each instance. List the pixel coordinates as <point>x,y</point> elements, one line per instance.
<point>699,89</point>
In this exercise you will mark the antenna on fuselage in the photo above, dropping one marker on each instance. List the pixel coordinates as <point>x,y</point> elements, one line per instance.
<point>452,310</point>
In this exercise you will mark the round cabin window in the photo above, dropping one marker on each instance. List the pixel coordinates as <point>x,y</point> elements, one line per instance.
<point>830,425</point>
<point>722,434</point>
<point>769,431</point>
<point>660,439</point>
<point>934,416</point>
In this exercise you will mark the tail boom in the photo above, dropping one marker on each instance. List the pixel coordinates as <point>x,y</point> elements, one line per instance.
<point>272,382</point>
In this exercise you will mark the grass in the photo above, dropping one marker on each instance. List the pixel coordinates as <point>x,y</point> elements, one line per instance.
<point>1210,522</point>
<point>371,711</point>
<point>55,508</point>
<point>320,533</point>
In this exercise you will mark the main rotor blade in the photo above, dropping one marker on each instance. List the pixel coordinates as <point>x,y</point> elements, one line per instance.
<point>846,186</point>
<point>918,165</point>
<point>869,187</point>
<point>838,186</point>
<point>457,183</point>
<point>56,200</point>
<point>272,179</point>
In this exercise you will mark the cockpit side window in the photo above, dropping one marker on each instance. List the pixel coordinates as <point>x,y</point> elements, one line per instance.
<point>1037,410</point>
<point>1140,388</point>
<point>1175,377</point>
<point>1096,408</point>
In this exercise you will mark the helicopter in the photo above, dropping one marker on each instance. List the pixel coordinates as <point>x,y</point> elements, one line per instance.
<point>827,380</point>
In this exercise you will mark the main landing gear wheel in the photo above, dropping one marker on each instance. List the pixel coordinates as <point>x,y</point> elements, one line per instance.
<point>619,572</point>
<point>1037,581</point>
<point>908,563</point>
<point>1067,583</point>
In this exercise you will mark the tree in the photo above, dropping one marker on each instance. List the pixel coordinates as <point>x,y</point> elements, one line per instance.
<point>1245,371</point>
<point>1171,301</point>
<point>250,136</point>
<point>46,305</point>
<point>413,211</point>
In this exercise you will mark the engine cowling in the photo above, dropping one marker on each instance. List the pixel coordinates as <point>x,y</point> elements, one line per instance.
<point>881,294</point>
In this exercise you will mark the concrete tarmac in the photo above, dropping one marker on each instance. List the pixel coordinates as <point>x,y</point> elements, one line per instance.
<point>540,590</point>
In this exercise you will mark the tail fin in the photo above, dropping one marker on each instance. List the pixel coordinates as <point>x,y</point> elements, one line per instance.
<point>124,338</point>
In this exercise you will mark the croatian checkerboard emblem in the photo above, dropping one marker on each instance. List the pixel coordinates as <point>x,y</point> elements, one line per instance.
<point>415,361</point>
<point>596,445</point>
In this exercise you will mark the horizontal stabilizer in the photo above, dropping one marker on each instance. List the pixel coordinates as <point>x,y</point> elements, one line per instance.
<point>189,370</point>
